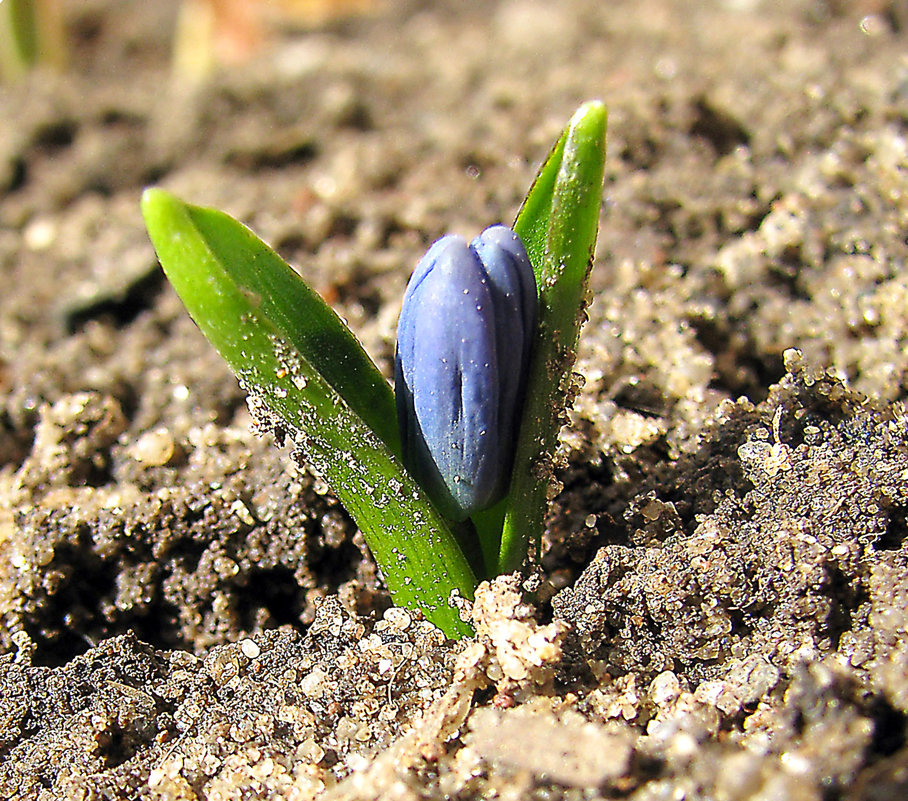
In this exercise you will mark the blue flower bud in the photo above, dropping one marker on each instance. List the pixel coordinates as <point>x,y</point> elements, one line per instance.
<point>463,347</point>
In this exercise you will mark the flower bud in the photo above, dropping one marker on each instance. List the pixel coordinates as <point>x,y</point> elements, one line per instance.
<point>463,348</point>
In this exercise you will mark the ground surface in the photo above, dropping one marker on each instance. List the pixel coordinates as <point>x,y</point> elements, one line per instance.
<point>724,598</point>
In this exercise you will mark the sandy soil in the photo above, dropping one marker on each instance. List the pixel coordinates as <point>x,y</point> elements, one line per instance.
<point>721,610</point>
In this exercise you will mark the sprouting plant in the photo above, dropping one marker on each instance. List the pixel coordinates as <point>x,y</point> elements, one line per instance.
<point>463,347</point>
<point>31,33</point>
<point>311,380</point>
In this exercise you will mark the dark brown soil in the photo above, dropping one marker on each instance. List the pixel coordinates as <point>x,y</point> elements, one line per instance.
<point>723,601</point>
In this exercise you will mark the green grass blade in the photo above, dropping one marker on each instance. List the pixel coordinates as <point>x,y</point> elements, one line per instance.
<point>558,222</point>
<point>31,34</point>
<point>18,38</point>
<point>307,372</point>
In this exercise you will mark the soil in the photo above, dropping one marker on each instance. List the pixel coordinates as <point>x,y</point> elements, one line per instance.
<point>722,602</point>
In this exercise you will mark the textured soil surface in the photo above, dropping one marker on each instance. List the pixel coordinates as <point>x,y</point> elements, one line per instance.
<point>722,606</point>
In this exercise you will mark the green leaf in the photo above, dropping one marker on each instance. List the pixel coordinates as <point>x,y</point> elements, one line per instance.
<point>309,377</point>
<point>558,222</point>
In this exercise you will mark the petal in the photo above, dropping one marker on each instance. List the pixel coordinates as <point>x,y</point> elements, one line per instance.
<point>513,289</point>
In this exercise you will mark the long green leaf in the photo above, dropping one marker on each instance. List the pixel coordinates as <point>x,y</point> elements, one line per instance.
<point>307,373</point>
<point>558,222</point>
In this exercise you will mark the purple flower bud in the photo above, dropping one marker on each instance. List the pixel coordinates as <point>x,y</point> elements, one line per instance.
<point>463,347</point>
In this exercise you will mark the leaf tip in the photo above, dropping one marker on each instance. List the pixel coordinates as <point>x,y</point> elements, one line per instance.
<point>158,205</point>
<point>592,115</point>
<point>151,198</point>
<point>589,109</point>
